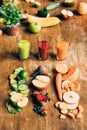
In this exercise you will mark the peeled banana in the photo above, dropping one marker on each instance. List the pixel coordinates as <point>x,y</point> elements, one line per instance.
<point>44,22</point>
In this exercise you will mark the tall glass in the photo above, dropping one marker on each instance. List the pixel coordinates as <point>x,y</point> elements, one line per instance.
<point>62,48</point>
<point>43,46</point>
<point>24,49</point>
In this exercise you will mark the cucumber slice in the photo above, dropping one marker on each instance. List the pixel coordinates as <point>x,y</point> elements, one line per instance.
<point>11,108</point>
<point>20,82</point>
<point>16,72</point>
<point>26,91</point>
<point>52,6</point>
<point>23,87</point>
<point>12,93</point>
<point>42,13</point>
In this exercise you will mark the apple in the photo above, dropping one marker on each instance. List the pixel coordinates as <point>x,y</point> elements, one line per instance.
<point>19,100</point>
<point>23,102</point>
<point>34,27</point>
<point>41,82</point>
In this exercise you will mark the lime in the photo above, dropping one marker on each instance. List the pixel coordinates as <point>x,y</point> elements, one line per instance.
<point>23,74</point>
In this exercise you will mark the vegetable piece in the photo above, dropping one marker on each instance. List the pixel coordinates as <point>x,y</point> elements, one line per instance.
<point>59,85</point>
<point>11,108</point>
<point>42,13</point>
<point>69,3</point>
<point>36,4</point>
<point>44,22</point>
<point>52,6</point>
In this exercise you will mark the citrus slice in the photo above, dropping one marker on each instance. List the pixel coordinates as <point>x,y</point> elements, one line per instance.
<point>76,86</point>
<point>62,68</point>
<point>71,97</point>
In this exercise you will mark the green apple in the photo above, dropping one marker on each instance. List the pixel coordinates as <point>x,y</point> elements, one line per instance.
<point>34,27</point>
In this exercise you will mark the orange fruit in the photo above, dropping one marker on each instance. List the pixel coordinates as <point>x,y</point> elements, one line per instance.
<point>62,68</point>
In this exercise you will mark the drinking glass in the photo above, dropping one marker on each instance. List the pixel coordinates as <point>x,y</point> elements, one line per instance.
<point>43,41</point>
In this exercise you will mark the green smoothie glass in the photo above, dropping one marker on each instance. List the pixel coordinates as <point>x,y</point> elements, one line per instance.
<point>24,49</point>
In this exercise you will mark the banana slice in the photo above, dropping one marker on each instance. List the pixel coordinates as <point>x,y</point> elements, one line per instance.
<point>71,97</point>
<point>72,106</point>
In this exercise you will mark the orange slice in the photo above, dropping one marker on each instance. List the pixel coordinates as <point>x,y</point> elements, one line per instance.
<point>62,68</point>
<point>72,85</point>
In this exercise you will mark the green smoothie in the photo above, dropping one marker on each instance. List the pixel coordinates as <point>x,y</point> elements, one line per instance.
<point>24,49</point>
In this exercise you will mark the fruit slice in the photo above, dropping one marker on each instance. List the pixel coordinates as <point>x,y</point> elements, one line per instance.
<point>61,68</point>
<point>66,14</point>
<point>23,102</point>
<point>16,97</point>
<point>42,78</point>
<point>72,105</point>
<point>76,86</point>
<point>72,73</point>
<point>41,82</point>
<point>71,97</point>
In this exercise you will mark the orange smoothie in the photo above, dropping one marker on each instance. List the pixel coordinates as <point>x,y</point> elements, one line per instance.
<point>62,48</point>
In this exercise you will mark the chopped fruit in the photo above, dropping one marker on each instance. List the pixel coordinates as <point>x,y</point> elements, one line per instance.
<point>72,106</point>
<point>62,116</point>
<point>66,14</point>
<point>23,102</point>
<point>72,74</point>
<point>41,97</point>
<point>71,97</point>
<point>62,68</point>
<point>41,82</point>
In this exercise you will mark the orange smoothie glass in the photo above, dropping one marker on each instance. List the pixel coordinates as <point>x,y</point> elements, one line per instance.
<point>62,48</point>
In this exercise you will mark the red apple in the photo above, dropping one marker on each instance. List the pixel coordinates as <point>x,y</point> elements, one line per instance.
<point>41,82</point>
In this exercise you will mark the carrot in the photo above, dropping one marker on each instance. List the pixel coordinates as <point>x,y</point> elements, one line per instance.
<point>58,82</point>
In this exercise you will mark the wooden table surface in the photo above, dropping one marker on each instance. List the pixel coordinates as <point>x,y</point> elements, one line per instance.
<point>75,30</point>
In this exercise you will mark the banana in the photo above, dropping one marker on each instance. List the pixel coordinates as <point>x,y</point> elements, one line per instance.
<point>44,22</point>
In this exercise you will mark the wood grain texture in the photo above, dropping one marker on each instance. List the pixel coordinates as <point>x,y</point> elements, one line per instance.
<point>75,30</point>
